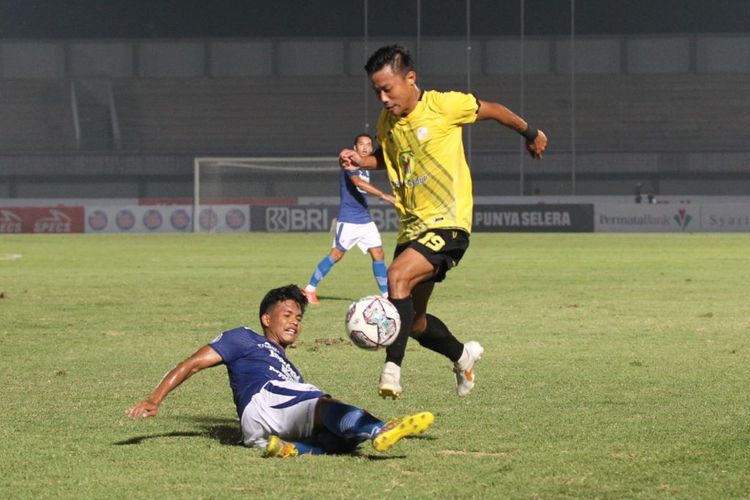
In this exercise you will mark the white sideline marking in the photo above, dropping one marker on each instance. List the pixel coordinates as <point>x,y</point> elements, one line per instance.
<point>10,256</point>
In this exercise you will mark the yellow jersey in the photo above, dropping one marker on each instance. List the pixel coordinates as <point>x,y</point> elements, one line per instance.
<point>427,169</point>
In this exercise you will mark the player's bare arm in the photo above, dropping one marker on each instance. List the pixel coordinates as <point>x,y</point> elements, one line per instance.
<point>351,160</point>
<point>205,357</point>
<point>366,186</point>
<point>536,140</point>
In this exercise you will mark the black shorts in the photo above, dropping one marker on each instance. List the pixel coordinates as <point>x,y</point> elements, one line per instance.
<point>442,247</point>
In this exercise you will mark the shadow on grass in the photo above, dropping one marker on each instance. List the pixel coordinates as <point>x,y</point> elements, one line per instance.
<point>224,430</point>
<point>227,432</point>
<point>331,297</point>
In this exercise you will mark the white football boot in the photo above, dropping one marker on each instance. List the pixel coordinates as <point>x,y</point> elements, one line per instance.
<point>464,367</point>
<point>390,381</point>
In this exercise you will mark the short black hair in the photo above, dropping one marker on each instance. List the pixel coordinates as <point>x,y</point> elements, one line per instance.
<point>282,294</point>
<point>362,135</point>
<point>395,56</point>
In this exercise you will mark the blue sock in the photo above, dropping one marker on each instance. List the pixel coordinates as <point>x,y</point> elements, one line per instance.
<point>381,275</point>
<point>320,272</point>
<point>308,448</point>
<point>349,422</point>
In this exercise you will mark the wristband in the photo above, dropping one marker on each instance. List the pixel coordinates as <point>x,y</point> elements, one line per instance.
<point>530,134</point>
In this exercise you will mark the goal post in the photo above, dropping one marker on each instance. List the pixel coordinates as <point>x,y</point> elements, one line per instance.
<point>223,184</point>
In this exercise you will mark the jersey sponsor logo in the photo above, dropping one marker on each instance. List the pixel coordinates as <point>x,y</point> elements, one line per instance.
<point>416,181</point>
<point>125,219</point>
<point>422,133</point>
<point>287,372</point>
<point>98,220</point>
<point>179,219</point>
<point>152,219</point>
<point>365,176</point>
<point>406,163</point>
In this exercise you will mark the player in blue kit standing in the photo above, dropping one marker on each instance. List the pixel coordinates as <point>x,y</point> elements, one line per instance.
<point>278,411</point>
<point>354,225</point>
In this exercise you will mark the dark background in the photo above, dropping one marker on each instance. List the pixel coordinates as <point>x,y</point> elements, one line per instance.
<point>294,18</point>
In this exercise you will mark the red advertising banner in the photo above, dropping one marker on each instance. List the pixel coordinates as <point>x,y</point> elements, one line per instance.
<point>41,220</point>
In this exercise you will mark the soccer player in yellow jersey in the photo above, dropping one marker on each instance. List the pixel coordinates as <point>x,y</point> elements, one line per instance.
<point>420,144</point>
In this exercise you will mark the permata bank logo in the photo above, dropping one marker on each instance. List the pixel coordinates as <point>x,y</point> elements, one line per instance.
<point>152,219</point>
<point>10,222</point>
<point>56,222</point>
<point>682,218</point>
<point>98,220</point>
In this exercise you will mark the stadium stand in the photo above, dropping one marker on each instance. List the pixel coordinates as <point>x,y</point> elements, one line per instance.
<point>268,115</point>
<point>631,127</point>
<point>283,115</point>
<point>37,115</point>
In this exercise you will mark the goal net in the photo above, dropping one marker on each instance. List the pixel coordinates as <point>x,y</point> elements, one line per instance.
<point>226,189</point>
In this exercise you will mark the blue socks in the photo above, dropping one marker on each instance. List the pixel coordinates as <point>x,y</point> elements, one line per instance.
<point>324,266</point>
<point>345,426</point>
<point>381,275</point>
<point>349,422</point>
<point>379,270</point>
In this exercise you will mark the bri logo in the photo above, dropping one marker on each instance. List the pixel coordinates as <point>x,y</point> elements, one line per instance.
<point>682,218</point>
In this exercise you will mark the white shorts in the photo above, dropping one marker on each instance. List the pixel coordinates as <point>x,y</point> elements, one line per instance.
<point>284,409</point>
<point>365,236</point>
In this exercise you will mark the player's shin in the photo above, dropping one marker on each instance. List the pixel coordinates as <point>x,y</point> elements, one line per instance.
<point>395,352</point>
<point>380,271</point>
<point>348,421</point>
<point>437,337</point>
<point>322,269</point>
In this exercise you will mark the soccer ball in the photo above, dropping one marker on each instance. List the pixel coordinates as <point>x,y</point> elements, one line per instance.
<point>372,322</point>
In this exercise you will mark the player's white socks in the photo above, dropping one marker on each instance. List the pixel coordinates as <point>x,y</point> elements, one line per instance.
<point>464,360</point>
<point>392,369</point>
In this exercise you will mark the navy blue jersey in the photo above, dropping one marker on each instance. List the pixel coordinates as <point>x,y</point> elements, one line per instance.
<point>353,207</point>
<point>252,360</point>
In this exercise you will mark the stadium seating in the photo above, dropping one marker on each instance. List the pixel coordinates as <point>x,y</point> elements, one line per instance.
<point>313,115</point>
<point>37,115</point>
<point>285,115</point>
<point>639,128</point>
<point>258,116</point>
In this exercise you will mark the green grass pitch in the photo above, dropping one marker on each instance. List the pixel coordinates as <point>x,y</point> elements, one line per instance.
<point>615,366</point>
